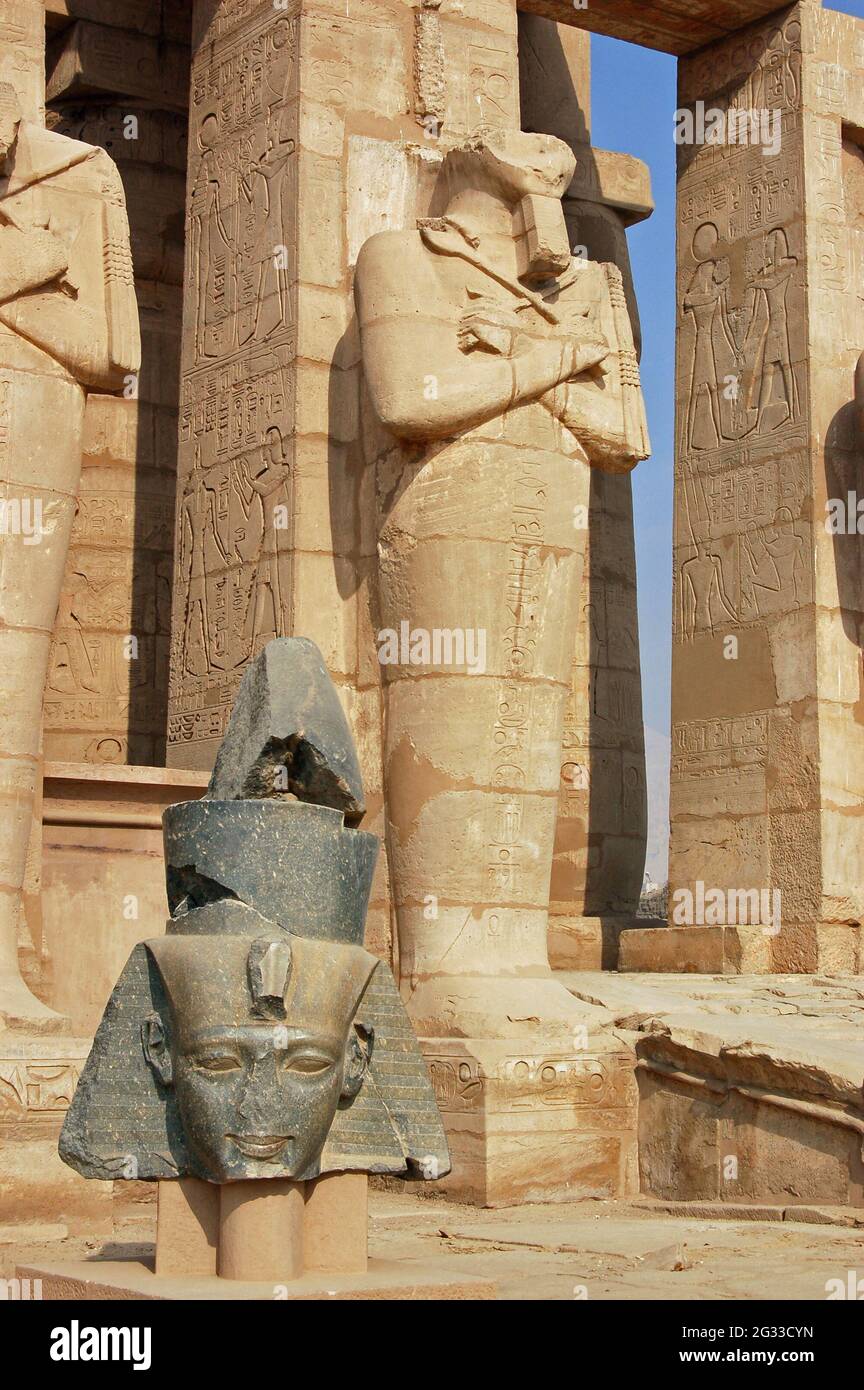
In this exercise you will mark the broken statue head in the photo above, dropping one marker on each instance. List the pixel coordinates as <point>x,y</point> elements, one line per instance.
<point>258,1038</point>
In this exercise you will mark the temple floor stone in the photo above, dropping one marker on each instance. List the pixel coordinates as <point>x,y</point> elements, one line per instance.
<point>750,1087</point>
<point>104,1280</point>
<point>591,1250</point>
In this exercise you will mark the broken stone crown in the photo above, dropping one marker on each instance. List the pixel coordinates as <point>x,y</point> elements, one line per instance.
<point>276,829</point>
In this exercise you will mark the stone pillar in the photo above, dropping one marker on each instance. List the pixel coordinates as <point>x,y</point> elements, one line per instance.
<point>599,856</point>
<point>768,748</point>
<point>268,540</point>
<point>255,448</point>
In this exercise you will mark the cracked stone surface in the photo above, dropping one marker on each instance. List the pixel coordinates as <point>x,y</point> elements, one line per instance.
<point>288,737</point>
<point>767,1071</point>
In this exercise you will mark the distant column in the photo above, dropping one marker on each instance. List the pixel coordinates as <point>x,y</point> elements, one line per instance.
<point>599,856</point>
<point>766,867</point>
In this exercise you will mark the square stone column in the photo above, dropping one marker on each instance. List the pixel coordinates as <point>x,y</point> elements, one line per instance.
<point>767,738</point>
<point>125,89</point>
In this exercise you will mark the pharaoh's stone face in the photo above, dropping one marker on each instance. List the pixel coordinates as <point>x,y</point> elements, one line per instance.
<point>258,1041</point>
<point>258,1100</point>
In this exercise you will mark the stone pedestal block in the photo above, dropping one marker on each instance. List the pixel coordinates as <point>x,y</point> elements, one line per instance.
<point>533,1124</point>
<point>816,948</point>
<point>104,1280</point>
<point>274,1240</point>
<point>38,1076</point>
<point>102,864</point>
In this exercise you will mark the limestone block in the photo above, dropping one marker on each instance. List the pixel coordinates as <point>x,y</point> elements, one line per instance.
<point>95,58</point>
<point>101,864</point>
<point>37,1081</point>
<point>508,1109</point>
<point>706,950</point>
<point>747,1116</point>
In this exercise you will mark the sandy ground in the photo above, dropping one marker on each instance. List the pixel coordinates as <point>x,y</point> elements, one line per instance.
<point>578,1251</point>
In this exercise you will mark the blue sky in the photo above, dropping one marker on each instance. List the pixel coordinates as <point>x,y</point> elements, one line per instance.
<point>633,98</point>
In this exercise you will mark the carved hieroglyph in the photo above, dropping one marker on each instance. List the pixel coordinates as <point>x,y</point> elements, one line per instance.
<point>68,324</point>
<point>767,756</point>
<point>500,369</point>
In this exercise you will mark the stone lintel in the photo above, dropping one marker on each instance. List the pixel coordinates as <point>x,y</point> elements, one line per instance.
<point>89,58</point>
<point>139,16</point>
<point>660,24</point>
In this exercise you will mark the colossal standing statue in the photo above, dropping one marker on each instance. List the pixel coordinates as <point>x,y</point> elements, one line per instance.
<point>68,324</point>
<point>500,369</point>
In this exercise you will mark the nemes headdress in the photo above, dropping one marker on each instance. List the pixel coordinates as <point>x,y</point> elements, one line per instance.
<point>258,1037</point>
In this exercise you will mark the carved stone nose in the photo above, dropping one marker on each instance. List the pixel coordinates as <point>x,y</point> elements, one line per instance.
<point>262,1103</point>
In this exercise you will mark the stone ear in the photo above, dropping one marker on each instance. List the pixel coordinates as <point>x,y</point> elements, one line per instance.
<point>358,1054</point>
<point>154,1040</point>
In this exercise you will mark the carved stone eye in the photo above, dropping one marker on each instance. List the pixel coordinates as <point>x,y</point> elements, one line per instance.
<point>221,1063</point>
<point>307,1064</point>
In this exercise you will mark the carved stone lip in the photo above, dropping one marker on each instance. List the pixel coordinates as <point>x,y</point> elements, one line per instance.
<point>261,1145</point>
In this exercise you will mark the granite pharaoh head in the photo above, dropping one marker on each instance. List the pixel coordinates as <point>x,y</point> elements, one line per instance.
<point>258,1038</point>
